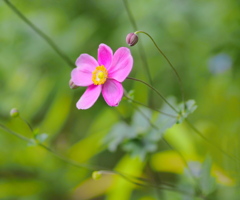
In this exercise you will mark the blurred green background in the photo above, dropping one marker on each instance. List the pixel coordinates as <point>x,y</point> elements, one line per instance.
<point>201,38</point>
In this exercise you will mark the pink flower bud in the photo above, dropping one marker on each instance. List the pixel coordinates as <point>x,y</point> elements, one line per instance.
<point>72,85</point>
<point>132,39</point>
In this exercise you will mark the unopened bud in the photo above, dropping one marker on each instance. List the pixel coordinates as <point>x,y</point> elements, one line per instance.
<point>72,85</point>
<point>14,112</point>
<point>96,175</point>
<point>132,39</point>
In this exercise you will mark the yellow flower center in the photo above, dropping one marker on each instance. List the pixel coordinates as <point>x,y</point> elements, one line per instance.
<point>99,75</point>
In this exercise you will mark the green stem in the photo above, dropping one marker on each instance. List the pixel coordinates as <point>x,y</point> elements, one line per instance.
<point>15,134</point>
<point>135,180</point>
<point>41,34</point>
<point>30,140</point>
<point>175,71</point>
<point>131,18</point>
<point>142,104</point>
<point>27,123</point>
<point>147,183</point>
<point>140,47</point>
<point>209,141</point>
<point>155,90</point>
<point>171,147</point>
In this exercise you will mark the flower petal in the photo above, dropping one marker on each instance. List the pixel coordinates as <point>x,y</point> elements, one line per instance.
<point>89,97</point>
<point>105,55</point>
<point>86,62</point>
<point>81,78</point>
<point>112,92</point>
<point>121,65</point>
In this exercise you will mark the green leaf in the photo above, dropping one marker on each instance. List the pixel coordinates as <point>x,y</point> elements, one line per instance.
<point>168,118</point>
<point>206,181</point>
<point>190,107</point>
<point>139,138</point>
<point>118,134</point>
<point>141,120</point>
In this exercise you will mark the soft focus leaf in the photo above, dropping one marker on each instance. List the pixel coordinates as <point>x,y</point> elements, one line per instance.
<point>190,107</point>
<point>207,182</point>
<point>98,187</point>
<point>122,189</point>
<point>118,134</point>
<point>163,122</point>
<point>19,188</point>
<point>139,138</point>
<point>167,161</point>
<point>55,113</point>
<point>141,119</point>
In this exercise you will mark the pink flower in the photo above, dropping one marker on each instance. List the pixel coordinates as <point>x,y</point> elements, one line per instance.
<point>103,76</point>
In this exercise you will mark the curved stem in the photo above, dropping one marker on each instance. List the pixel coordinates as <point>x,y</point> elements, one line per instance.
<point>135,180</point>
<point>41,34</point>
<point>137,102</point>
<point>155,90</point>
<point>145,182</point>
<point>171,65</point>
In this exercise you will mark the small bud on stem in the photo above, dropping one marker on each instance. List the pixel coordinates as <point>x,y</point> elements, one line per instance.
<point>132,39</point>
<point>14,112</point>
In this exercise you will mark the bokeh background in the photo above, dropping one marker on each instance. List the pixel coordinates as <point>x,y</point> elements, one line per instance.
<point>201,38</point>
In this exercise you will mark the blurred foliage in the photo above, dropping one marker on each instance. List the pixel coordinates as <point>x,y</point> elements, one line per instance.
<point>142,136</point>
<point>201,38</point>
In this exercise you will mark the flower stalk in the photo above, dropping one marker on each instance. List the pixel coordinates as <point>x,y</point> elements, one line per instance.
<point>40,33</point>
<point>156,91</point>
<point>171,65</point>
<point>132,179</point>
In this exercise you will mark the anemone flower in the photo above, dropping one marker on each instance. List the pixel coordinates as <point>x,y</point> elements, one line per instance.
<point>103,76</point>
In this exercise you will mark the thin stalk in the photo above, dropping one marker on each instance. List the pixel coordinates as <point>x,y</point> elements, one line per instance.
<point>15,134</point>
<point>135,180</point>
<point>171,65</point>
<point>155,90</point>
<point>149,184</point>
<point>130,16</point>
<point>170,146</point>
<point>210,142</point>
<point>140,47</point>
<point>142,104</point>
<point>31,140</point>
<point>27,123</point>
<point>72,162</point>
<point>41,34</point>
